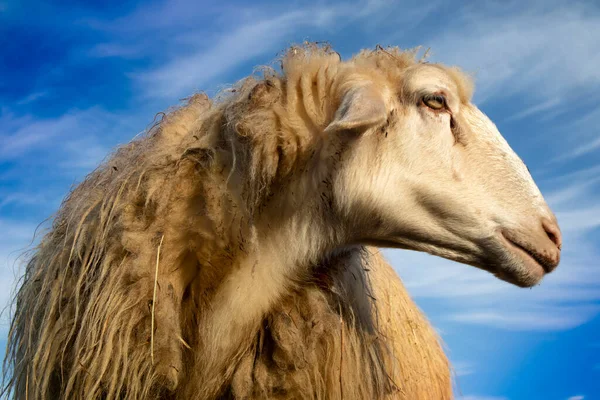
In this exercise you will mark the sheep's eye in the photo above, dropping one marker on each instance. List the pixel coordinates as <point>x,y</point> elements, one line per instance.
<point>435,101</point>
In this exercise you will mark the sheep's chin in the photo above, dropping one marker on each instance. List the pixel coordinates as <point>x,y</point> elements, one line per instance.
<point>518,268</point>
<point>497,256</point>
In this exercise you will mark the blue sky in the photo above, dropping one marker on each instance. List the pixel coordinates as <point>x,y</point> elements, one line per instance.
<point>78,78</point>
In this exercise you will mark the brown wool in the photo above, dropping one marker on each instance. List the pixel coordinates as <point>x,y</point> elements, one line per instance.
<point>193,188</point>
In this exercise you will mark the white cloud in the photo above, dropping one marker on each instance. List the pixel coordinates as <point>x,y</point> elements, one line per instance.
<point>546,319</point>
<point>584,148</point>
<point>583,131</point>
<point>260,34</point>
<point>75,139</point>
<point>584,219</point>
<point>535,49</point>
<point>185,74</point>
<point>194,54</point>
<point>462,368</point>
<point>103,50</point>
<point>32,97</point>
<point>576,191</point>
<point>15,238</point>
<point>88,153</point>
<point>577,176</point>
<point>31,134</point>
<point>537,108</point>
<point>576,397</point>
<point>11,197</point>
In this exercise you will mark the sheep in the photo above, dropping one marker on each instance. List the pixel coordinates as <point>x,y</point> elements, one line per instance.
<point>231,252</point>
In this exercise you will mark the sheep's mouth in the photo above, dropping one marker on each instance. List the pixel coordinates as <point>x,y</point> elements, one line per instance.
<point>532,255</point>
<point>524,267</point>
<point>547,263</point>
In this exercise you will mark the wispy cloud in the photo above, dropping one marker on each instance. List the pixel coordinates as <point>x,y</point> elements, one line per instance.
<point>534,109</point>
<point>585,148</point>
<point>32,98</point>
<point>102,50</point>
<point>582,132</point>
<point>462,368</point>
<point>579,397</point>
<point>532,52</point>
<point>184,75</point>
<point>42,157</point>
<point>11,197</point>
<point>80,136</point>
<point>576,191</point>
<point>206,42</point>
<point>547,319</point>
<point>264,33</point>
<point>16,237</point>
<point>580,220</point>
<point>29,134</point>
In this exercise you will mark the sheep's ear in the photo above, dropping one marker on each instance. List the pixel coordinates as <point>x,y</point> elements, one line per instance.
<point>362,107</point>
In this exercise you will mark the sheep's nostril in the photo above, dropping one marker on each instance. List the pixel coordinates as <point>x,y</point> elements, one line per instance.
<point>553,232</point>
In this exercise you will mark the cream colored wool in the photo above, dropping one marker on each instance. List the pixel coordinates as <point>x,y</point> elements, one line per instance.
<point>259,292</point>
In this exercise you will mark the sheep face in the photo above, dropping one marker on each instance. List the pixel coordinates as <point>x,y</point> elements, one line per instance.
<point>426,170</point>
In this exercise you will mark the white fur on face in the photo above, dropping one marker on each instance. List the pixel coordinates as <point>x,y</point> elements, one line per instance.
<point>447,190</point>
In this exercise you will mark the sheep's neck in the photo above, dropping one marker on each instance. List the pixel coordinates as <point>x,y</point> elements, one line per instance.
<point>248,292</point>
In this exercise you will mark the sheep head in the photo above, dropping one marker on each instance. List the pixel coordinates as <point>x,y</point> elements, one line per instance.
<point>426,170</point>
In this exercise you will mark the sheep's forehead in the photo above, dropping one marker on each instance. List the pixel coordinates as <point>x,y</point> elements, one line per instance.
<point>435,77</point>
